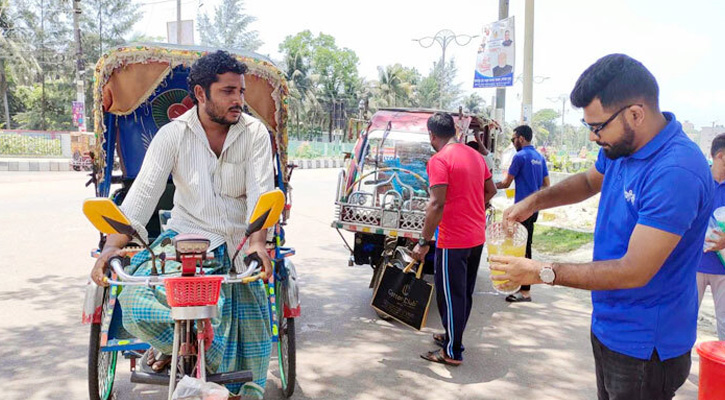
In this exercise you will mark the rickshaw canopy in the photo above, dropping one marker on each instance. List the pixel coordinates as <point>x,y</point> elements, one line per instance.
<point>139,88</point>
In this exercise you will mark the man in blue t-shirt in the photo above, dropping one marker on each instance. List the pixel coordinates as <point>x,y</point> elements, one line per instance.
<point>528,169</point>
<point>711,271</point>
<point>656,198</point>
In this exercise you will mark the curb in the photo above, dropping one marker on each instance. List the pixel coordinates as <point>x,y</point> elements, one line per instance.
<point>34,164</point>
<point>317,164</point>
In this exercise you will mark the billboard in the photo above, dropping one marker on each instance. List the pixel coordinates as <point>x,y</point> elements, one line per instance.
<point>495,58</point>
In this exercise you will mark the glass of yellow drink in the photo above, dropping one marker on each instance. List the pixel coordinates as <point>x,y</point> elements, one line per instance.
<point>510,193</point>
<point>509,241</point>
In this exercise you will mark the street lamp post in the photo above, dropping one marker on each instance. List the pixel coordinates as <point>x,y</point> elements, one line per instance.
<point>444,38</point>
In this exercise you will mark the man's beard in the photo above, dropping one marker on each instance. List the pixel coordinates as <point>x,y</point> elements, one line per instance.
<point>216,115</point>
<point>623,148</point>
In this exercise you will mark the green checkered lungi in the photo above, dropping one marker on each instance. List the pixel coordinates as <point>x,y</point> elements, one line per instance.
<point>241,332</point>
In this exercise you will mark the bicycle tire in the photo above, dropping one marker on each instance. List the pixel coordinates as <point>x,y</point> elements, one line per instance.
<point>286,348</point>
<point>101,364</point>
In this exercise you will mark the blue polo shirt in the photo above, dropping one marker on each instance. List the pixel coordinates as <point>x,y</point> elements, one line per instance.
<point>528,168</point>
<point>711,263</point>
<point>665,185</point>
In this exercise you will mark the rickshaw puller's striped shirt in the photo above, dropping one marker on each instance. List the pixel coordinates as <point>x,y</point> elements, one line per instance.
<point>213,193</point>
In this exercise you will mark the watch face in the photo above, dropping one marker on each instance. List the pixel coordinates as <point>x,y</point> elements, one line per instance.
<point>547,275</point>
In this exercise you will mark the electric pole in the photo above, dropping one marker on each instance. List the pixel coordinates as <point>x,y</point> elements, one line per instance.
<point>526,106</point>
<point>178,21</point>
<point>500,115</point>
<point>80,92</point>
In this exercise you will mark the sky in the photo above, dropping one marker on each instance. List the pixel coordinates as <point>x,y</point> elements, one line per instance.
<point>681,43</point>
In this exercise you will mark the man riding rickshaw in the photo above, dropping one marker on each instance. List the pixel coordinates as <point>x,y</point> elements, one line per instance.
<point>220,159</point>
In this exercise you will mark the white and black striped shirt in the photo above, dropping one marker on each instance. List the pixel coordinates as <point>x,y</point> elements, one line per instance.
<point>214,195</point>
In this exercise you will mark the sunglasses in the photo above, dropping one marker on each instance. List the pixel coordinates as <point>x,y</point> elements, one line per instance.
<point>596,128</point>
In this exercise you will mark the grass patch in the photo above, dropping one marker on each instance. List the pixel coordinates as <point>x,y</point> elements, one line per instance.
<point>556,241</point>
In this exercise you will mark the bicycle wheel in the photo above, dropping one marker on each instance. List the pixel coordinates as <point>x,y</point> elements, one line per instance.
<point>101,364</point>
<point>286,347</point>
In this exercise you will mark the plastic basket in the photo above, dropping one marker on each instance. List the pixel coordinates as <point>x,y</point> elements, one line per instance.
<point>193,290</point>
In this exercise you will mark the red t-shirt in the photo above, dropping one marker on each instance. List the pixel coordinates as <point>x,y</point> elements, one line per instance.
<point>464,170</point>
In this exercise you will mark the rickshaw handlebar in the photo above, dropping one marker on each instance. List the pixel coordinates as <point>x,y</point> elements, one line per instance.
<point>116,263</point>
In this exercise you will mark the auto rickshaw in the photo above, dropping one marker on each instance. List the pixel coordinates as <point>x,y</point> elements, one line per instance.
<point>382,195</point>
<point>137,89</point>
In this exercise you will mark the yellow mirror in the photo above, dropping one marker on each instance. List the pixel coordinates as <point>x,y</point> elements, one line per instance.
<point>107,217</point>
<point>267,211</point>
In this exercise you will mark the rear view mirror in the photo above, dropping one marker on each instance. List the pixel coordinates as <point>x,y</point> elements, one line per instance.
<point>107,217</point>
<point>267,211</point>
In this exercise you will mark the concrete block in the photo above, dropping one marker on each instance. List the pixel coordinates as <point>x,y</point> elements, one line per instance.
<point>13,166</point>
<point>64,166</point>
<point>34,165</point>
<point>23,165</point>
<point>317,163</point>
<point>53,165</point>
<point>3,165</point>
<point>326,163</point>
<point>44,166</point>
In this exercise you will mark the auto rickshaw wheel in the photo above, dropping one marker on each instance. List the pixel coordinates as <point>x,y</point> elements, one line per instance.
<point>377,277</point>
<point>286,347</point>
<point>101,364</point>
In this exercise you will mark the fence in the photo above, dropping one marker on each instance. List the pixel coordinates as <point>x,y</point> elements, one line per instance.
<point>34,143</point>
<point>298,149</point>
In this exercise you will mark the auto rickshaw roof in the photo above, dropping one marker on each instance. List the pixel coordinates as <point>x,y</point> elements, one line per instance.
<point>416,119</point>
<point>128,78</point>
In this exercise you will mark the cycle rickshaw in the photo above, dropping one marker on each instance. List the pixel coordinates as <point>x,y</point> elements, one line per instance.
<point>137,89</point>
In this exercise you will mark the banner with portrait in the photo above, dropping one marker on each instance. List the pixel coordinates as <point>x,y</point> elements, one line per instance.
<point>496,53</point>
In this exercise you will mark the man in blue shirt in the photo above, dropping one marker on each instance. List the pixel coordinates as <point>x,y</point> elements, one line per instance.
<point>711,271</point>
<point>528,169</point>
<point>656,199</point>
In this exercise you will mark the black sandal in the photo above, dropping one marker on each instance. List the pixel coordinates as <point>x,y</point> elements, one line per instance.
<point>438,356</point>
<point>517,298</point>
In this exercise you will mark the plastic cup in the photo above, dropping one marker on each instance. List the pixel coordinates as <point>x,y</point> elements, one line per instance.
<point>509,241</point>
<point>510,193</point>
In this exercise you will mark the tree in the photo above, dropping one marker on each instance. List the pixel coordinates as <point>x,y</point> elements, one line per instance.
<point>543,123</point>
<point>324,74</point>
<point>474,104</point>
<point>57,116</point>
<point>229,27</point>
<point>396,85</point>
<point>434,94</point>
<point>17,64</point>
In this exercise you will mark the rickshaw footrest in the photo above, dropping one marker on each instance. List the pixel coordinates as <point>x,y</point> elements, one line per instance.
<point>222,378</point>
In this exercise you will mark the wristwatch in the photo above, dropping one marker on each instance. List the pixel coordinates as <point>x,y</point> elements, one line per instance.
<point>547,274</point>
<point>422,242</point>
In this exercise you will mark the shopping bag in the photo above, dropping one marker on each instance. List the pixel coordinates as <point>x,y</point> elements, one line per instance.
<point>404,296</point>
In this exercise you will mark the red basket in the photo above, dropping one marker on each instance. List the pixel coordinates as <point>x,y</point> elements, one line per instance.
<point>189,291</point>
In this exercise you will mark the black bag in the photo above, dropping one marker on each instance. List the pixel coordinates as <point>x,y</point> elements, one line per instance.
<point>404,296</point>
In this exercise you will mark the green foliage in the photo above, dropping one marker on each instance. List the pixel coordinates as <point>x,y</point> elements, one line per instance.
<point>433,94</point>
<point>57,114</point>
<point>555,240</point>
<point>306,151</point>
<point>229,27</point>
<point>473,103</point>
<point>323,80</point>
<point>21,145</point>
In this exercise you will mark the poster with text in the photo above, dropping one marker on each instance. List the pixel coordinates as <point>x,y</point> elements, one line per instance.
<point>495,58</point>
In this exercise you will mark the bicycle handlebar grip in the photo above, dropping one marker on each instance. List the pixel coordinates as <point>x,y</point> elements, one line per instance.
<point>254,257</point>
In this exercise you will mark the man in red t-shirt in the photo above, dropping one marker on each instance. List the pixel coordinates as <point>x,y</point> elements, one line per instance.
<point>460,187</point>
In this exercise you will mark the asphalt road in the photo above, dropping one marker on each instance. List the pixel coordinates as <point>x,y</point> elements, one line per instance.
<point>536,350</point>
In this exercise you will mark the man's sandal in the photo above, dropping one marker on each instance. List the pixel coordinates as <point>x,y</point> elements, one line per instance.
<point>438,356</point>
<point>156,364</point>
<point>440,339</point>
